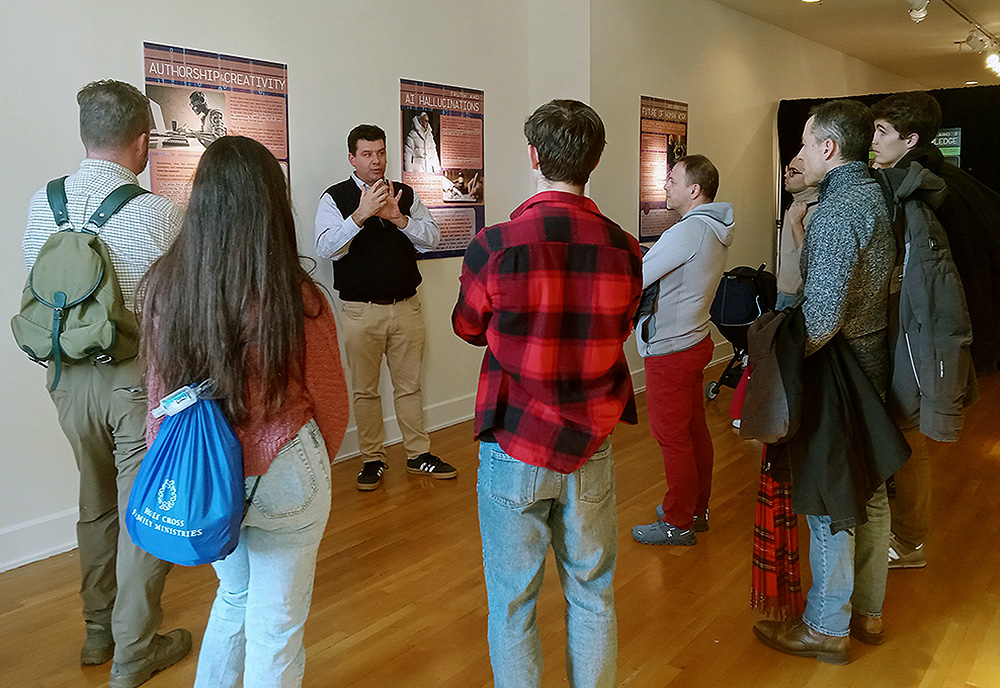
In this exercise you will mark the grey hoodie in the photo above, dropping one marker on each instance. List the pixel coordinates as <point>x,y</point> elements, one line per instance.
<point>688,260</point>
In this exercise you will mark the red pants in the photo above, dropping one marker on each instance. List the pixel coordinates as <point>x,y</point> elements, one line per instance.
<point>676,408</point>
<point>739,394</point>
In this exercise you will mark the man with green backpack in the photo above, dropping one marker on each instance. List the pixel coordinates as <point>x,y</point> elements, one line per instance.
<point>90,238</point>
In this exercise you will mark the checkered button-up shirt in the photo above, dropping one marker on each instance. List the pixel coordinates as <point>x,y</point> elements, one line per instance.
<point>136,235</point>
<point>551,295</point>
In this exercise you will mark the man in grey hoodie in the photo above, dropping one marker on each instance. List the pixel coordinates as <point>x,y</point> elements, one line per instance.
<point>687,261</point>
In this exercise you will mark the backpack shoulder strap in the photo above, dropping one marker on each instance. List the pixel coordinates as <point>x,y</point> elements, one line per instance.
<point>115,201</point>
<point>55,190</point>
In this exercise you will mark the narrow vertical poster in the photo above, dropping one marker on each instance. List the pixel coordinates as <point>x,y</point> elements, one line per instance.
<point>950,142</point>
<point>442,135</point>
<point>662,140</point>
<point>198,96</point>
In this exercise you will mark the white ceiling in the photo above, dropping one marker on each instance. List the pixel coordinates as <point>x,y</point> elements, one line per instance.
<point>881,33</point>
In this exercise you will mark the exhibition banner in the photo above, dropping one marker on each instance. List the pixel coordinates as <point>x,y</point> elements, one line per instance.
<point>198,96</point>
<point>442,135</point>
<point>949,141</point>
<point>662,140</point>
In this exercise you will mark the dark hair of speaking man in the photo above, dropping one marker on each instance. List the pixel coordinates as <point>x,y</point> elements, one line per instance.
<point>848,256</point>
<point>105,426</point>
<point>372,229</point>
<point>551,295</point>
<point>905,127</point>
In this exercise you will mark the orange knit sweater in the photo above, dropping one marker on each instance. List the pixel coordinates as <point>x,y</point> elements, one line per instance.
<point>321,395</point>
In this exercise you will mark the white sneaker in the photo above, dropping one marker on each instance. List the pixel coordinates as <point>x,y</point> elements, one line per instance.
<point>903,557</point>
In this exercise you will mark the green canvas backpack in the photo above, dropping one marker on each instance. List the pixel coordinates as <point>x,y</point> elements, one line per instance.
<point>72,306</point>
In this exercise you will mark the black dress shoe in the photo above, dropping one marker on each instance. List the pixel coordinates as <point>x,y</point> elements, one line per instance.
<point>867,629</point>
<point>796,638</point>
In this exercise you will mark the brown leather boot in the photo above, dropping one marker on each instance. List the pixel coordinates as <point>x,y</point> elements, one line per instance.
<point>867,629</point>
<point>796,638</point>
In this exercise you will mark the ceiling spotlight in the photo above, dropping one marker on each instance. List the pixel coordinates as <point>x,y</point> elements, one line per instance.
<point>977,41</point>
<point>918,9</point>
<point>993,59</point>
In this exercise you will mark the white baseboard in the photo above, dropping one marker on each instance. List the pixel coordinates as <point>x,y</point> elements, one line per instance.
<point>460,409</point>
<point>37,539</point>
<point>436,416</point>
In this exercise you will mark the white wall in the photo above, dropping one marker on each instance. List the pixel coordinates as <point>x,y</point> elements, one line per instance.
<point>345,60</point>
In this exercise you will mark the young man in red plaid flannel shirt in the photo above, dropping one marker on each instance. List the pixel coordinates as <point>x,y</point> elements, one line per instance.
<point>551,295</point>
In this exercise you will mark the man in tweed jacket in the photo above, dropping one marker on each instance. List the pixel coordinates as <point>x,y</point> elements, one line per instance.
<point>847,258</point>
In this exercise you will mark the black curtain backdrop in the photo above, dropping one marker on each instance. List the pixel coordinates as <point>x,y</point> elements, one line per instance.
<point>976,109</point>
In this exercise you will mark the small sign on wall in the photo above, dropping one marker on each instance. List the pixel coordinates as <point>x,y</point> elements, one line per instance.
<point>442,158</point>
<point>662,140</point>
<point>198,96</point>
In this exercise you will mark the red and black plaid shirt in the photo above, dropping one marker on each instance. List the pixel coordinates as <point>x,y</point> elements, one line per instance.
<point>551,295</point>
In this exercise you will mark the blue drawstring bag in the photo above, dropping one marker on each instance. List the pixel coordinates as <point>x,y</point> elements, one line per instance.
<point>186,505</point>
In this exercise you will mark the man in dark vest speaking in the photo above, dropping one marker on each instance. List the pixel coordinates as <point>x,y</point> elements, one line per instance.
<point>373,228</point>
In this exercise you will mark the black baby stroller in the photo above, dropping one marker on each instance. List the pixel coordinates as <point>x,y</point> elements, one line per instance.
<point>743,294</point>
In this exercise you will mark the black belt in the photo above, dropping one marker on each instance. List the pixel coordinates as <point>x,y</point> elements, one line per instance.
<point>383,302</point>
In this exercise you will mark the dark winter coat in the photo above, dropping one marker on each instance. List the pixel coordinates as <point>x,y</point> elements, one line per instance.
<point>773,403</point>
<point>970,214</point>
<point>847,444</point>
<point>930,332</point>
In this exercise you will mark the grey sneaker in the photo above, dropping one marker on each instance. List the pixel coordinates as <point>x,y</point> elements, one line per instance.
<point>428,464</point>
<point>903,557</point>
<point>99,647</point>
<point>370,476</point>
<point>662,533</point>
<point>165,650</point>
<point>700,520</point>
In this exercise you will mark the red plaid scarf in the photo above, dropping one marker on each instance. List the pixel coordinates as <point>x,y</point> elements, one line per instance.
<point>776,587</point>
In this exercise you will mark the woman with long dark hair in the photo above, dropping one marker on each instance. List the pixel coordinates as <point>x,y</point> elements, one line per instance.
<point>231,302</point>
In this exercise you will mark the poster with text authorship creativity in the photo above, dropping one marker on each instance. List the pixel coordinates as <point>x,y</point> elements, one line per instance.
<point>662,140</point>
<point>442,135</point>
<point>198,96</point>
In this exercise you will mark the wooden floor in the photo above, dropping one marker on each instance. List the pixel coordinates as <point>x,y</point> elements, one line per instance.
<point>400,599</point>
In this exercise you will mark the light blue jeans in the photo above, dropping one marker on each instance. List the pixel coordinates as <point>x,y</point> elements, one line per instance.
<point>849,569</point>
<point>784,300</point>
<point>265,586</point>
<point>522,510</point>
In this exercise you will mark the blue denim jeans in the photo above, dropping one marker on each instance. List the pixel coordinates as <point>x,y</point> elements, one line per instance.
<point>848,569</point>
<point>524,509</point>
<point>265,586</point>
<point>784,300</point>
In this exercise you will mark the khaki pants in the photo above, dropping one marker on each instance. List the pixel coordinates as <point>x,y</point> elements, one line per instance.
<point>911,508</point>
<point>396,331</point>
<point>102,411</point>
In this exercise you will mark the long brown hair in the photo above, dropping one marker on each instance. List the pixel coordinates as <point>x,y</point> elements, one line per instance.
<point>227,296</point>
